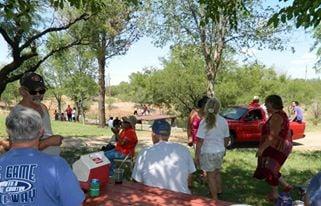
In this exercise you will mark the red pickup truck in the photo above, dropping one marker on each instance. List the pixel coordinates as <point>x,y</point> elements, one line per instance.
<point>245,124</point>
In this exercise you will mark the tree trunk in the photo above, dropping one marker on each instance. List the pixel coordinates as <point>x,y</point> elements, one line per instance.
<point>82,110</point>
<point>77,109</point>
<point>212,53</point>
<point>3,85</point>
<point>210,79</point>
<point>59,105</point>
<point>101,81</point>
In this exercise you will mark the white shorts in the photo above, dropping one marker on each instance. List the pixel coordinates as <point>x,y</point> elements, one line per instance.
<point>211,161</point>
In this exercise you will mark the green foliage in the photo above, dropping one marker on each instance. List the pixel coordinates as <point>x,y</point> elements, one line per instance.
<point>81,86</point>
<point>182,82</point>
<point>304,13</point>
<point>213,26</point>
<point>230,8</point>
<point>71,73</point>
<point>25,25</point>
<point>316,46</point>
<point>11,94</point>
<point>121,91</point>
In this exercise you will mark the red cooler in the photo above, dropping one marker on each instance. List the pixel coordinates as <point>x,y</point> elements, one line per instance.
<point>92,166</point>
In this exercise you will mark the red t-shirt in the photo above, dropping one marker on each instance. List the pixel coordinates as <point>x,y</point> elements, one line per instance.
<point>69,110</point>
<point>129,137</point>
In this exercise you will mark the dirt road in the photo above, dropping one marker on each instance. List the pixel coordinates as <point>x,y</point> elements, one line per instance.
<point>312,141</point>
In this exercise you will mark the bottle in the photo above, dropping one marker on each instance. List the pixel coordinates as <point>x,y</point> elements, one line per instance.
<point>94,188</point>
<point>284,199</point>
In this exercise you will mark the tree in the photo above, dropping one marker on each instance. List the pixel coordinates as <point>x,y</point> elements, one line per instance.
<point>184,85</point>
<point>226,26</point>
<point>109,33</point>
<point>21,29</point>
<point>304,13</point>
<point>81,88</point>
<point>71,73</point>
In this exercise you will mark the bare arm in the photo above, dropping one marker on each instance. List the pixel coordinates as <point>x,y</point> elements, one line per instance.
<point>189,129</point>
<point>54,140</point>
<point>275,128</point>
<point>198,150</point>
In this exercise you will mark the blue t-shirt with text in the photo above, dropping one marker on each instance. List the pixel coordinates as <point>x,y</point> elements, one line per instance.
<point>30,177</point>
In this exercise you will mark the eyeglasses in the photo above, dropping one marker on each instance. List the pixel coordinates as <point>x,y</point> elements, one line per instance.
<point>35,92</point>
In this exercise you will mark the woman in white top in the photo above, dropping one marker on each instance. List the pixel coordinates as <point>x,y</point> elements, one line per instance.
<point>213,136</point>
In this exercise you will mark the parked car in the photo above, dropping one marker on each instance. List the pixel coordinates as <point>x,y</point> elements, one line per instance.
<point>245,124</point>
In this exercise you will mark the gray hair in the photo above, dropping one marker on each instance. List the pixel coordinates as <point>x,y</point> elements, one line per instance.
<point>23,124</point>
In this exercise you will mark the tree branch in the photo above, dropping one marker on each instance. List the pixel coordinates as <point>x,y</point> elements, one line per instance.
<point>35,67</point>
<point>6,37</point>
<point>29,41</point>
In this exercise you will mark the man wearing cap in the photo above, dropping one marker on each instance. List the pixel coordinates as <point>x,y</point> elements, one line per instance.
<point>165,164</point>
<point>32,89</point>
<point>255,102</point>
<point>30,177</point>
<point>125,143</point>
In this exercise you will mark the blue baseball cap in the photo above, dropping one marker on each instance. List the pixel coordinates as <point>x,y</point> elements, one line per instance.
<point>161,127</point>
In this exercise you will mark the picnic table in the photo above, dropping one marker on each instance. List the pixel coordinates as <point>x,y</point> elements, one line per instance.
<point>142,118</point>
<point>130,193</point>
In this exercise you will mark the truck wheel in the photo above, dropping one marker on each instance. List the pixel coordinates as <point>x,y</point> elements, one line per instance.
<point>232,142</point>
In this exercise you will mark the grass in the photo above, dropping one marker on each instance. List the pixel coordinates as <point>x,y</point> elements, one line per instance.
<point>67,129</point>
<point>239,185</point>
<point>238,166</point>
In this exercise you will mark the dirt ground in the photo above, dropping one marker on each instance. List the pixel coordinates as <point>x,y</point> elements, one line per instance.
<point>311,142</point>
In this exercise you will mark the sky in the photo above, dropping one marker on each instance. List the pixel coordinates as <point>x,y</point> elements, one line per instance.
<point>144,54</point>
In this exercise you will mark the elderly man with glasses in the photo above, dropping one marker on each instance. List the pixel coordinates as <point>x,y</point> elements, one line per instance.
<point>32,91</point>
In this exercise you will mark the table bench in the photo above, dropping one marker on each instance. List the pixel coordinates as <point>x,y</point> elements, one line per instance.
<point>130,193</point>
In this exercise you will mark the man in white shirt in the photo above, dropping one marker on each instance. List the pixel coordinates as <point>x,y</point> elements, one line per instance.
<point>165,164</point>
<point>110,122</point>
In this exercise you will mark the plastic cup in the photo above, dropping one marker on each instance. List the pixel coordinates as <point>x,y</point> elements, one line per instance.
<point>118,175</point>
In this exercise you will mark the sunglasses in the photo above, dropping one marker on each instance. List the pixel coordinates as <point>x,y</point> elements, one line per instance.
<point>35,92</point>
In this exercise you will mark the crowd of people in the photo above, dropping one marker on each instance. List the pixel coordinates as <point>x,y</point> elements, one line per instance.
<point>33,151</point>
<point>70,114</point>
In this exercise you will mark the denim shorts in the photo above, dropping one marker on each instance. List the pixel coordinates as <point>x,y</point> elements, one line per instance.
<point>211,161</point>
